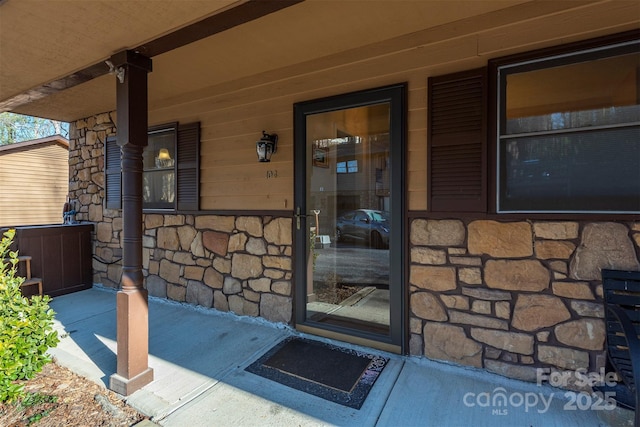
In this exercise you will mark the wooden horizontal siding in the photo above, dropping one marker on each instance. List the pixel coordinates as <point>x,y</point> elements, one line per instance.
<point>33,185</point>
<point>545,31</point>
<point>233,115</point>
<point>416,146</point>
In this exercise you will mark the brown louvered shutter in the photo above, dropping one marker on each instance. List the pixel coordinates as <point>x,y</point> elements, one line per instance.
<point>112,174</point>
<point>457,150</point>
<point>188,179</point>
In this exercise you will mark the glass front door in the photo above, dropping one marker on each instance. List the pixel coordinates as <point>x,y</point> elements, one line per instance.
<point>349,217</point>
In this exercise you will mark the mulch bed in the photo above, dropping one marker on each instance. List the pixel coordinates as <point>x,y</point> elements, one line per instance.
<point>335,293</point>
<point>59,397</point>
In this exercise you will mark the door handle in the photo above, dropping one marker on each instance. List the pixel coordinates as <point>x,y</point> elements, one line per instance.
<point>298,215</point>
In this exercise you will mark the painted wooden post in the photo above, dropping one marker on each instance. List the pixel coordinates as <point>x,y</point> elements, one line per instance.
<point>133,370</point>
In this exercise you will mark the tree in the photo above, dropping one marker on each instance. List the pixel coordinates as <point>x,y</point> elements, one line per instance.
<point>17,128</point>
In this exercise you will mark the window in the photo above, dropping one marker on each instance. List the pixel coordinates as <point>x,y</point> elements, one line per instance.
<point>350,166</point>
<point>564,126</point>
<point>569,133</point>
<point>159,169</point>
<point>170,169</point>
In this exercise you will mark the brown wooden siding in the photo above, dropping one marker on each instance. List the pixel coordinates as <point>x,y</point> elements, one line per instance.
<point>233,115</point>
<point>34,184</point>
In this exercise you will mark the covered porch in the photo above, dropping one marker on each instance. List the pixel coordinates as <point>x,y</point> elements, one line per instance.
<point>198,384</point>
<point>509,293</point>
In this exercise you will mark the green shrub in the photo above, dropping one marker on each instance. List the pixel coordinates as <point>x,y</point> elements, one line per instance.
<point>26,327</point>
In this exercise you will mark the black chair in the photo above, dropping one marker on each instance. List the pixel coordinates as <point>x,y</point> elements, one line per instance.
<point>622,316</point>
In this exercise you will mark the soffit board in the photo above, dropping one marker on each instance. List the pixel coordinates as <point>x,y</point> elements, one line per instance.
<point>43,40</point>
<point>301,33</point>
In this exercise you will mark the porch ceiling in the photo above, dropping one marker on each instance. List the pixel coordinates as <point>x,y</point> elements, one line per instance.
<point>42,41</point>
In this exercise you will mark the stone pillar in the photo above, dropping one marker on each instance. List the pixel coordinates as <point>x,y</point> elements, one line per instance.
<point>133,371</point>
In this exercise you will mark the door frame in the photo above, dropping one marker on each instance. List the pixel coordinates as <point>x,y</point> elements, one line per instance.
<point>396,96</point>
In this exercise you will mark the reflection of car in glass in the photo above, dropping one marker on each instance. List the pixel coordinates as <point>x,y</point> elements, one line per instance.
<point>366,225</point>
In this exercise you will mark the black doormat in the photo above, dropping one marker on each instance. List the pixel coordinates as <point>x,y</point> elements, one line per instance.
<point>333,373</point>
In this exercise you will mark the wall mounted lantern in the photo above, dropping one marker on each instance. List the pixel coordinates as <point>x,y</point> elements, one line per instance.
<point>266,146</point>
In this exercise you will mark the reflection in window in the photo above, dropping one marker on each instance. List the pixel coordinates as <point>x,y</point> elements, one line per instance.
<point>350,166</point>
<point>569,137</point>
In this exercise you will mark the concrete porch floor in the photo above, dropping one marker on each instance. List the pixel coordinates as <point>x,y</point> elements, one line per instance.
<point>199,355</point>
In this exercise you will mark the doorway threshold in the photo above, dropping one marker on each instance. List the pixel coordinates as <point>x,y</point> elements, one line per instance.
<point>349,338</point>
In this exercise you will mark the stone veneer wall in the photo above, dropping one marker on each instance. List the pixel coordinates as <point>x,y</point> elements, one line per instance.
<point>233,263</point>
<point>514,296</point>
<point>505,296</point>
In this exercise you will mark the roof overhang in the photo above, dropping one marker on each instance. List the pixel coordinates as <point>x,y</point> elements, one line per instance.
<point>40,39</point>
<point>32,143</point>
<point>52,54</point>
